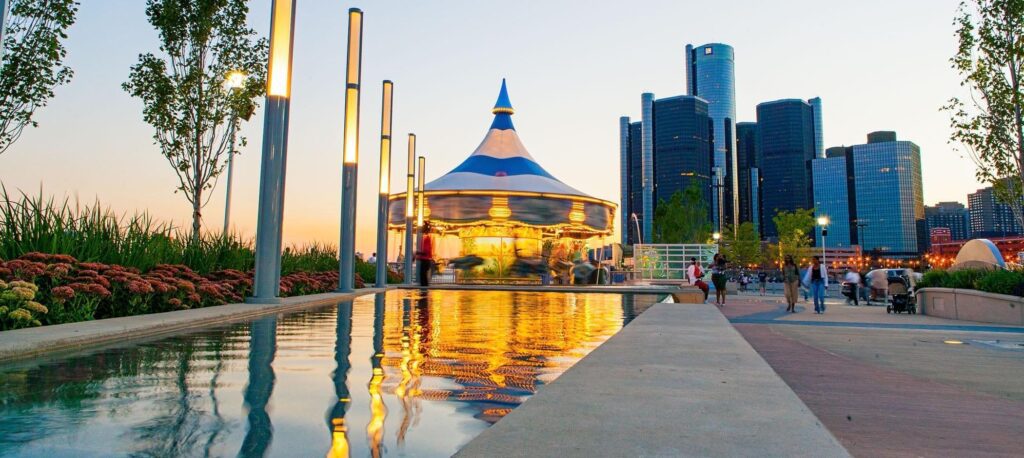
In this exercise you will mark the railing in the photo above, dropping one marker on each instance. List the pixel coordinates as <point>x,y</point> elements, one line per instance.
<point>668,262</point>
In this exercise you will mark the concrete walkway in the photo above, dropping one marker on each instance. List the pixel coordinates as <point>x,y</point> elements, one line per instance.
<point>29,342</point>
<point>677,381</point>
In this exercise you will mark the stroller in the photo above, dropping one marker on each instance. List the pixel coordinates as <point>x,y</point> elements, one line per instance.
<point>902,299</point>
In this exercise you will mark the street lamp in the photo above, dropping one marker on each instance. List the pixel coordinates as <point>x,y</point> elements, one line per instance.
<point>823,222</point>
<point>267,281</point>
<point>385,185</point>
<point>350,164</point>
<point>409,207</point>
<point>233,83</point>
<point>422,163</point>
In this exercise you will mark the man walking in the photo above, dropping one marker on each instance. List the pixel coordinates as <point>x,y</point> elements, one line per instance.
<point>853,280</point>
<point>816,278</point>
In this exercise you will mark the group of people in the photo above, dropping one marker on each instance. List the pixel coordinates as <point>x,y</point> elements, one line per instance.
<point>814,277</point>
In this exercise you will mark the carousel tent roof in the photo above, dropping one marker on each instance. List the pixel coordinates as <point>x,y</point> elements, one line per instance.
<point>501,162</point>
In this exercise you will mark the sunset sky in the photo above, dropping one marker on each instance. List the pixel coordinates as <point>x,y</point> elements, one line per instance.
<point>573,67</point>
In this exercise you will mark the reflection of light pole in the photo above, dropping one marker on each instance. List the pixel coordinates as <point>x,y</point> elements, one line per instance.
<point>350,164</point>
<point>267,281</point>
<point>234,83</point>
<point>639,235</point>
<point>823,222</point>
<point>410,208</point>
<point>385,186</point>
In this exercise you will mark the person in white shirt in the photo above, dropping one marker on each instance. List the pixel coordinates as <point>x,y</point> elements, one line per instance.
<point>694,275</point>
<point>373,259</point>
<point>816,277</point>
<point>853,279</point>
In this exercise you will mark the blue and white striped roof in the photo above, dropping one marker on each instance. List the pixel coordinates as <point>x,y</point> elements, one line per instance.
<point>501,162</point>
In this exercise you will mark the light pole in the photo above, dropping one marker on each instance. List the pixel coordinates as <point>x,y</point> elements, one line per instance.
<point>420,190</point>
<point>267,281</point>
<point>823,222</point>
<point>350,164</point>
<point>385,185</point>
<point>234,83</point>
<point>410,208</point>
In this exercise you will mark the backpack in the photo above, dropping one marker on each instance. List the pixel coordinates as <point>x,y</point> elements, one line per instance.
<point>697,273</point>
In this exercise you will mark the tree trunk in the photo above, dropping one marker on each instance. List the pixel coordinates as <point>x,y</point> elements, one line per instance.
<point>197,214</point>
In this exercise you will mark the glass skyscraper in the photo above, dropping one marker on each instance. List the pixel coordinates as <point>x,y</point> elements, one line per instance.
<point>889,196</point>
<point>785,145</point>
<point>749,178</point>
<point>710,75</point>
<point>832,200</point>
<point>680,146</point>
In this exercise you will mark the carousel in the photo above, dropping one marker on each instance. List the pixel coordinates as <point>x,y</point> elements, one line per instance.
<point>500,205</point>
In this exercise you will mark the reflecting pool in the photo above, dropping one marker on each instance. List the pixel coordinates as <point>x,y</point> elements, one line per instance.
<point>401,374</point>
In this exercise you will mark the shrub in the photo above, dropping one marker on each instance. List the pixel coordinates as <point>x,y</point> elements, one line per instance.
<point>1001,282</point>
<point>934,278</point>
<point>965,278</point>
<point>990,281</point>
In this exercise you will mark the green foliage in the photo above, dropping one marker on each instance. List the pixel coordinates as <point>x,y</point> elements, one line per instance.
<point>998,281</point>
<point>934,278</point>
<point>964,278</point>
<point>795,230</point>
<point>1001,282</point>
<point>683,218</point>
<point>183,91</point>
<point>33,62</point>
<point>742,245</point>
<point>18,306</point>
<point>989,123</point>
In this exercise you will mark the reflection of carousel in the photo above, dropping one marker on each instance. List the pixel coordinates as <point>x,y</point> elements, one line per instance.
<point>500,204</point>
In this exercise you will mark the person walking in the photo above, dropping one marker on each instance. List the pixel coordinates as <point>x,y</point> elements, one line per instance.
<point>816,278</point>
<point>425,256</point>
<point>791,283</point>
<point>762,280</point>
<point>718,266</point>
<point>853,279</point>
<point>694,275</point>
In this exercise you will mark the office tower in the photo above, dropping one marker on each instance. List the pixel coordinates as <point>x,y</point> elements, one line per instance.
<point>819,135</point>
<point>889,198</point>
<point>949,215</point>
<point>682,146</point>
<point>749,176</point>
<point>832,200</point>
<point>990,217</point>
<point>679,151</point>
<point>710,75</point>
<point>785,147</point>
<point>631,184</point>
<point>647,155</point>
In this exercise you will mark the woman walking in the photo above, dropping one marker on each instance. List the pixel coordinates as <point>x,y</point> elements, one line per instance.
<point>425,256</point>
<point>718,266</point>
<point>791,283</point>
<point>817,278</point>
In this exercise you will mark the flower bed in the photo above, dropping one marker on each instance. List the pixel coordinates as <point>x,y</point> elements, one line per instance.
<point>78,291</point>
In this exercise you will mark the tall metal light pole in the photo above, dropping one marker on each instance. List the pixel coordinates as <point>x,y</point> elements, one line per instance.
<point>234,83</point>
<point>346,275</point>
<point>385,185</point>
<point>823,222</point>
<point>267,283</point>
<point>422,162</point>
<point>409,208</point>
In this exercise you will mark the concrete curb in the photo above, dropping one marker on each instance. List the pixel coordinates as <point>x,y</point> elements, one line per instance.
<point>31,342</point>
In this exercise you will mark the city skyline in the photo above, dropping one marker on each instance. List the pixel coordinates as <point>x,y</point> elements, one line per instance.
<point>568,115</point>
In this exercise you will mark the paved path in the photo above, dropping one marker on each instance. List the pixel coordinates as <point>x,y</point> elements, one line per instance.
<point>676,381</point>
<point>888,385</point>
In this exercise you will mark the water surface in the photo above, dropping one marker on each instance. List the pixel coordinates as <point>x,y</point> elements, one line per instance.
<point>399,374</point>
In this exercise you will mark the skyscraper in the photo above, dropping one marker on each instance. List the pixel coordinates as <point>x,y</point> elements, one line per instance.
<point>949,215</point>
<point>710,75</point>
<point>749,176</point>
<point>889,196</point>
<point>786,135</point>
<point>832,195</point>
<point>679,151</point>
<point>990,217</point>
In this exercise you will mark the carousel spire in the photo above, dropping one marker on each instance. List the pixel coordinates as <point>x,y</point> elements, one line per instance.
<point>503,105</point>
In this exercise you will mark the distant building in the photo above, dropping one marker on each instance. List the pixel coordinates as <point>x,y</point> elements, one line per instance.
<point>832,200</point>
<point>990,217</point>
<point>939,235</point>
<point>680,153</point>
<point>786,145</point>
<point>749,174</point>
<point>949,215</point>
<point>889,198</point>
<point>710,75</point>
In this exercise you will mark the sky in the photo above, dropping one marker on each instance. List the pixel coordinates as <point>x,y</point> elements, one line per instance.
<point>573,68</point>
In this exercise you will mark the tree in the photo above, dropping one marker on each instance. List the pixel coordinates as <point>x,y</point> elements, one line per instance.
<point>990,124</point>
<point>795,229</point>
<point>742,246</point>
<point>33,62</point>
<point>683,218</point>
<point>183,92</point>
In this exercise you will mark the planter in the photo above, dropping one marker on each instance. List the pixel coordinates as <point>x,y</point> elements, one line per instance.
<point>971,305</point>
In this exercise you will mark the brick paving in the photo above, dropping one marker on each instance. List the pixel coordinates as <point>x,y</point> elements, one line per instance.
<point>882,411</point>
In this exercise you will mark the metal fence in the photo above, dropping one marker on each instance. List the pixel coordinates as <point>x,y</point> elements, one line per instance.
<point>669,261</point>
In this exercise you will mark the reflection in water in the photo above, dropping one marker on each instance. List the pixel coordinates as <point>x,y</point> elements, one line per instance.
<point>378,411</point>
<point>262,348</point>
<point>442,366</point>
<point>342,350</point>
